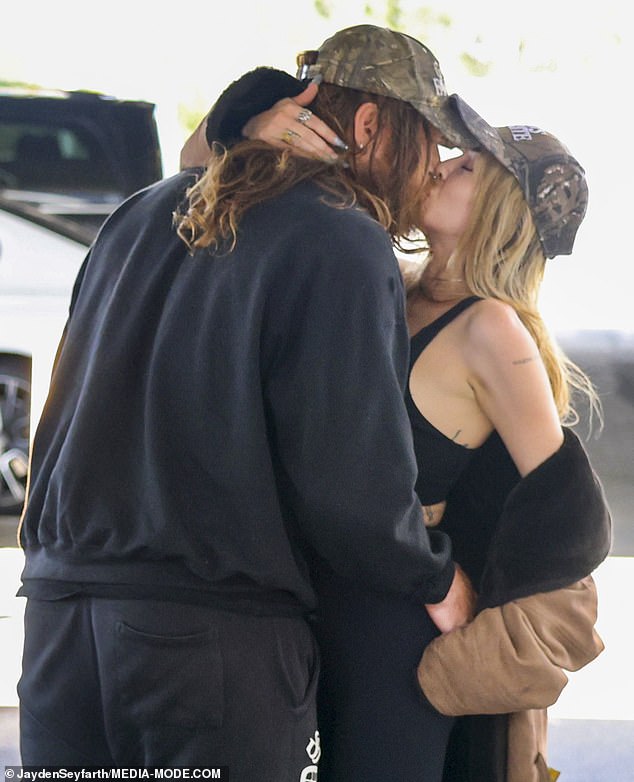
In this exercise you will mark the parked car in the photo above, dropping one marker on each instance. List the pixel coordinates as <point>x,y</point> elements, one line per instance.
<point>67,159</point>
<point>75,154</point>
<point>39,259</point>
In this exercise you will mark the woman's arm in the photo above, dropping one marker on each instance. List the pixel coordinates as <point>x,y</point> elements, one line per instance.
<point>511,384</point>
<point>286,122</point>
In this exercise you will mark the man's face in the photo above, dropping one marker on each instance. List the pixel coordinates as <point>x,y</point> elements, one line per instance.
<point>384,154</point>
<point>429,160</point>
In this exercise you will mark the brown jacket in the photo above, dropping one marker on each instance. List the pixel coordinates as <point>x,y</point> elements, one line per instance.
<point>511,659</point>
<point>530,546</point>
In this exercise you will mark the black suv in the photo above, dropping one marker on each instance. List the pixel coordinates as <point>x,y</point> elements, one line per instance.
<point>75,154</point>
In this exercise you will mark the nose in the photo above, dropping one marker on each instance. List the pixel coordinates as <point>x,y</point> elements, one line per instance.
<point>446,167</point>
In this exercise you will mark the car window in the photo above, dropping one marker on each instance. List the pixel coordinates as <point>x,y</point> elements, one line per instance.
<point>54,158</point>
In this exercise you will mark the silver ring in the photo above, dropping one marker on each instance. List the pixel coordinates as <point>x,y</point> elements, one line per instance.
<point>289,136</point>
<point>304,115</point>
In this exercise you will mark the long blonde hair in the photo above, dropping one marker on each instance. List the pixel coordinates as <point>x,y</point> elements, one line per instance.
<point>499,256</point>
<point>251,172</point>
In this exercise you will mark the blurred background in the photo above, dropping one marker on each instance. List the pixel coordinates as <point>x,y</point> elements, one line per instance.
<point>560,65</point>
<point>557,64</point>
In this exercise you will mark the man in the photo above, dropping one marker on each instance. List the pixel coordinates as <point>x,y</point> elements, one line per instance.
<point>226,408</point>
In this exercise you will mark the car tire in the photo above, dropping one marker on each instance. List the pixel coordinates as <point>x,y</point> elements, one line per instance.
<point>15,405</point>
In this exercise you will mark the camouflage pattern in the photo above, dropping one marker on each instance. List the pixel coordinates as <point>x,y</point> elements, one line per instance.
<point>552,180</point>
<point>384,62</point>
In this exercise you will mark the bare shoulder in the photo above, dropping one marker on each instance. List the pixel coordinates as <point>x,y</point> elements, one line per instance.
<point>494,329</point>
<point>491,315</point>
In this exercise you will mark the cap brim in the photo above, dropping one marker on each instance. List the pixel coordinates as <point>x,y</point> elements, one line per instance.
<point>444,117</point>
<point>486,135</point>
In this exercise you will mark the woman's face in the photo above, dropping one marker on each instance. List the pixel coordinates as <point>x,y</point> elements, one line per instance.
<point>447,208</point>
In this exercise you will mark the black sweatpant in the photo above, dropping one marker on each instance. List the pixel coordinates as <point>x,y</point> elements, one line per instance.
<point>135,683</point>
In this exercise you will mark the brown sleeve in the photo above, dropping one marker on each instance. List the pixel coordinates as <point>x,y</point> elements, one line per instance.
<point>513,657</point>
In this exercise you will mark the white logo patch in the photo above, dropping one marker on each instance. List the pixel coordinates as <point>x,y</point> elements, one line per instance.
<point>524,132</point>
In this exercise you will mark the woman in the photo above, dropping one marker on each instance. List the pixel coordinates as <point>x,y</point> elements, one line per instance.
<point>484,372</point>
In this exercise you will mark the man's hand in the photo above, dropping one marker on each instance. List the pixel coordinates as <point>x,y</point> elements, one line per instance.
<point>458,607</point>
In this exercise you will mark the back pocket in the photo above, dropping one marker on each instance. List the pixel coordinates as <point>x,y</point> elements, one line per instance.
<point>170,680</point>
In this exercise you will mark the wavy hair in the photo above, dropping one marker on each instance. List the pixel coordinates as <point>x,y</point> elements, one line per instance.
<point>250,172</point>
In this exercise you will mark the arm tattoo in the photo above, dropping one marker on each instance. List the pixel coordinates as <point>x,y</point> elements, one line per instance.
<point>524,360</point>
<point>456,436</point>
<point>428,512</point>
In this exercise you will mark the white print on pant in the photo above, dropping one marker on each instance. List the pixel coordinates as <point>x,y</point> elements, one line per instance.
<point>313,750</point>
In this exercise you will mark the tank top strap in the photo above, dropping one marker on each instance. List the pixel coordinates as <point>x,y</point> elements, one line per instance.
<point>422,338</point>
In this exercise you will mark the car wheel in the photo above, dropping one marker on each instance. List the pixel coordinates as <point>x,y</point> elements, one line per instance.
<point>15,403</point>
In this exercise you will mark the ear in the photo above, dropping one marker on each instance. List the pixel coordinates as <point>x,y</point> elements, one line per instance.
<point>366,124</point>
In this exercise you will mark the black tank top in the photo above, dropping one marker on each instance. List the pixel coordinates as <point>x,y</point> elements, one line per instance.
<point>440,460</point>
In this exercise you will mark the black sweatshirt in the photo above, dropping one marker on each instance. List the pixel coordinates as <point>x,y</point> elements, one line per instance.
<point>216,421</point>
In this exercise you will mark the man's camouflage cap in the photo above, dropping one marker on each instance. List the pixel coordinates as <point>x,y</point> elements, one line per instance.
<point>552,180</point>
<point>383,62</point>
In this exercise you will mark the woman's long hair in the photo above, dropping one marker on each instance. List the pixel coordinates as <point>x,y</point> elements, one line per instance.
<point>251,172</point>
<point>499,256</point>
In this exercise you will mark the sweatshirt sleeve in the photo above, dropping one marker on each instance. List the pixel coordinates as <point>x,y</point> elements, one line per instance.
<point>334,391</point>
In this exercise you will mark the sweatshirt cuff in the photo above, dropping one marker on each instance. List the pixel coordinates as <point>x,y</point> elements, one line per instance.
<point>434,589</point>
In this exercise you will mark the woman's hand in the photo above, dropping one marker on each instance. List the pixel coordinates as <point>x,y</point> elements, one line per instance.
<point>290,123</point>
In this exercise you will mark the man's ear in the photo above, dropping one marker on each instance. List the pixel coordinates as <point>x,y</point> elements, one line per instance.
<point>366,124</point>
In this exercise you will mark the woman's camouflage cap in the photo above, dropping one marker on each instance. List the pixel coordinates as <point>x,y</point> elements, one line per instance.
<point>383,62</point>
<point>552,180</point>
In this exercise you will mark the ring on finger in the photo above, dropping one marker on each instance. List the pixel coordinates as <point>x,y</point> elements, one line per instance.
<point>289,136</point>
<point>304,115</point>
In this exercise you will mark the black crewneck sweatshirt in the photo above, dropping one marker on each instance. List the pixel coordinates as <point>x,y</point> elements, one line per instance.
<point>217,422</point>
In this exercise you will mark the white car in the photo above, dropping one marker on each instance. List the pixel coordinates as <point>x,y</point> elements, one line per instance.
<point>39,260</point>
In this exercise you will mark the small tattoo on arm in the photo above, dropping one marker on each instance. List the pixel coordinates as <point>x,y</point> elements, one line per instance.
<point>428,512</point>
<point>457,435</point>
<point>525,360</point>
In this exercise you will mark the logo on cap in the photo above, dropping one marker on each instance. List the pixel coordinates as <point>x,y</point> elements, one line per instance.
<point>524,132</point>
